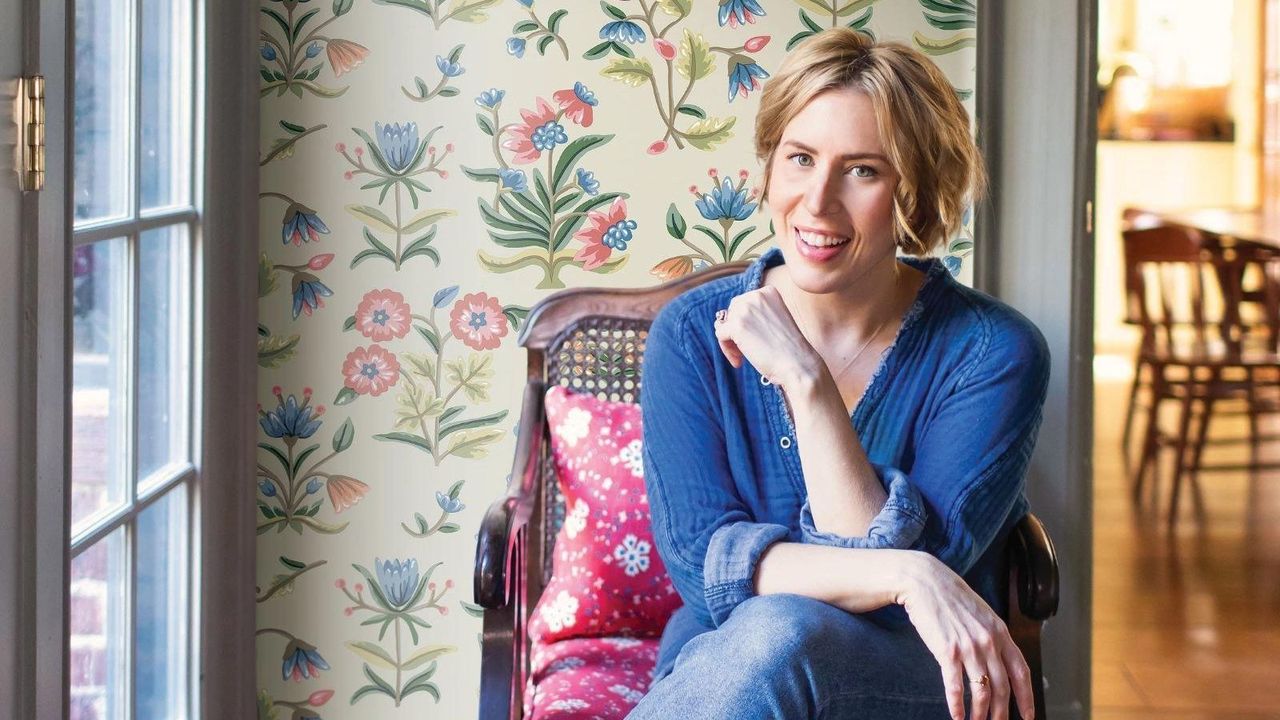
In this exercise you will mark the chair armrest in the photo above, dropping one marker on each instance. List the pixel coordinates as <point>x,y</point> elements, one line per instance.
<point>1034,565</point>
<point>510,513</point>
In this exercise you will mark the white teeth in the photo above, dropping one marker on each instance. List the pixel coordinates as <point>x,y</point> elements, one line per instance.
<point>817,240</point>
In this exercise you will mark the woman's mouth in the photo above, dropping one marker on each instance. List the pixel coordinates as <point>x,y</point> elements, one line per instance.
<point>818,247</point>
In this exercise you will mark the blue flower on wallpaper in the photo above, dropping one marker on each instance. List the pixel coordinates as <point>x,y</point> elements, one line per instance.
<point>744,75</point>
<point>622,31</point>
<point>548,135</point>
<point>444,296</point>
<point>267,488</point>
<point>313,50</point>
<point>289,419</point>
<point>314,485</point>
<point>584,95</point>
<point>526,3</point>
<point>449,504</point>
<point>398,143</point>
<point>268,53</point>
<point>448,69</point>
<point>398,580</point>
<point>515,46</point>
<point>301,224</point>
<point>724,201</point>
<point>490,98</point>
<point>307,294</point>
<point>588,182</point>
<point>513,179</point>
<point>301,660</point>
<point>618,235</point>
<point>953,263</point>
<point>739,12</point>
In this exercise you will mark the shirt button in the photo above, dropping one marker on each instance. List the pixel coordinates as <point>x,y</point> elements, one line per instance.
<point>765,381</point>
<point>785,442</point>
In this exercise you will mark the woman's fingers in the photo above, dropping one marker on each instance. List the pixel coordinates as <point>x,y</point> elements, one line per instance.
<point>1020,680</point>
<point>953,684</point>
<point>999,687</point>
<point>975,668</point>
<point>727,345</point>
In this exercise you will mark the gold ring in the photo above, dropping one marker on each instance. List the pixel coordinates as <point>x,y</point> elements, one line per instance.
<point>721,315</point>
<point>983,681</point>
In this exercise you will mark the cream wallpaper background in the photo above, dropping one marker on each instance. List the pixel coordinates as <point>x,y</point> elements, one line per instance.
<point>430,169</point>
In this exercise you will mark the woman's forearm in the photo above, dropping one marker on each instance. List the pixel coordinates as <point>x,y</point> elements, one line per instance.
<point>854,579</point>
<point>844,493</point>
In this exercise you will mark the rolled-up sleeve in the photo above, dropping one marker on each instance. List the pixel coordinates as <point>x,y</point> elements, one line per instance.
<point>899,523</point>
<point>705,534</point>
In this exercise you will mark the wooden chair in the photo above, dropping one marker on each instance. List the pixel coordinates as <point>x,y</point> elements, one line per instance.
<point>591,340</point>
<point>1183,288</point>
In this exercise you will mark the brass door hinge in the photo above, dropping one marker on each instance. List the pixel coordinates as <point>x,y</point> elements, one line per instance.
<point>31,144</point>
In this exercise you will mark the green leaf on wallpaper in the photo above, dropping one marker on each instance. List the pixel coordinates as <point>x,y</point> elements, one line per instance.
<point>448,92</point>
<point>455,53</point>
<point>302,22</point>
<point>553,22</point>
<point>515,315</point>
<point>472,375</point>
<point>266,74</point>
<point>737,240</point>
<point>470,11</point>
<point>567,229</point>
<point>266,707</point>
<point>960,246</point>
<point>455,489</point>
<point>695,61</point>
<point>536,224</point>
<point>349,323</point>
<point>343,437</point>
<point>421,6</point>
<point>613,10</point>
<point>372,216</point>
<point>372,654</point>
<point>447,430</point>
<point>532,209</point>
<point>420,683</point>
<point>853,7</point>
<point>345,396</point>
<point>421,365</point>
<point>486,127</point>
<point>291,563</point>
<point>425,655</point>
<point>266,275</point>
<point>430,336</point>
<point>715,238</point>
<point>808,21</point>
<point>276,350</point>
<point>429,217</point>
<point>676,226</point>
<point>568,200</point>
<point>573,152</point>
<point>301,458</point>
<point>472,609</point>
<point>676,8</point>
<point>451,412</point>
<point>278,18</point>
<point>474,444</point>
<point>598,51</point>
<point>544,42</point>
<point>408,439</point>
<point>693,110</point>
<point>523,26</point>
<point>706,134</point>
<point>342,7</point>
<point>422,246</point>
<point>629,71</point>
<point>955,43</point>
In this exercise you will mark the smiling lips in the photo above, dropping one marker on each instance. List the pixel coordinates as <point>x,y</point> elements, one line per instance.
<point>818,247</point>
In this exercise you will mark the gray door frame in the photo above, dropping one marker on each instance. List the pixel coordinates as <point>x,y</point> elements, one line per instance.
<point>1036,124</point>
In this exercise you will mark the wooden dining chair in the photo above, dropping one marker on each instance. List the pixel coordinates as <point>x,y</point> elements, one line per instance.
<point>1183,288</point>
<point>591,340</point>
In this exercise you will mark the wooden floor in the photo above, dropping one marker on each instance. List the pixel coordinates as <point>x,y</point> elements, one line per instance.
<point>1185,625</point>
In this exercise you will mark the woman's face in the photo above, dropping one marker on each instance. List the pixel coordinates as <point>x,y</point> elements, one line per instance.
<point>831,193</point>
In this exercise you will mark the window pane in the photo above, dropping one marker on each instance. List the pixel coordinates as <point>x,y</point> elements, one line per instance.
<point>102,108</point>
<point>166,103</point>
<point>163,378</point>
<point>99,639</point>
<point>163,616</point>
<point>100,374</point>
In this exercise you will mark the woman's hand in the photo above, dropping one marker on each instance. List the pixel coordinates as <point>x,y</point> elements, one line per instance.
<point>759,327</point>
<point>967,638</point>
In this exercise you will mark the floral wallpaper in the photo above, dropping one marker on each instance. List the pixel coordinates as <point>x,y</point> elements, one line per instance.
<point>430,169</point>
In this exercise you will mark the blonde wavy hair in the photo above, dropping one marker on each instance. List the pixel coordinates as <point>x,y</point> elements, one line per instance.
<point>923,125</point>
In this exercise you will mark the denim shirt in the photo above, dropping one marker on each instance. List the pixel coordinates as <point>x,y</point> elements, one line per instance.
<point>948,421</point>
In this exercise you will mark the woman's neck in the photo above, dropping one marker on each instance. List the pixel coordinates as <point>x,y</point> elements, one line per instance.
<point>846,317</point>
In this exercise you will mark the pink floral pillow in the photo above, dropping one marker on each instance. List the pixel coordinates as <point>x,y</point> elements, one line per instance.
<point>607,578</point>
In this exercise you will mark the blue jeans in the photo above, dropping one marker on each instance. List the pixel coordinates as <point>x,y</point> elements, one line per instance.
<point>793,657</point>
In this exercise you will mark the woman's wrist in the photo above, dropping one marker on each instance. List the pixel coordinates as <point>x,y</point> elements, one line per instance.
<point>806,378</point>
<point>914,569</point>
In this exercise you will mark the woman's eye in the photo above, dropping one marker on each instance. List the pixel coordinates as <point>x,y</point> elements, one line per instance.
<point>801,156</point>
<point>864,171</point>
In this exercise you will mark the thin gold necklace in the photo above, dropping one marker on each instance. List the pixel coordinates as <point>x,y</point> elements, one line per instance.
<point>865,344</point>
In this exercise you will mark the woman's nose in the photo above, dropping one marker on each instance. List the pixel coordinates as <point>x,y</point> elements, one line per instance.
<point>822,195</point>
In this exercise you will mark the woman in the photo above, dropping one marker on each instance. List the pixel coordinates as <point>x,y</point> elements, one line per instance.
<point>835,440</point>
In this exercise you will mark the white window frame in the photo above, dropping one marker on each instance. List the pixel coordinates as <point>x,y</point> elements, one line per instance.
<point>34,627</point>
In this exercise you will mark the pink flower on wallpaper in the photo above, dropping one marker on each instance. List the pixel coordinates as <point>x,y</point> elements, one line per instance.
<point>371,370</point>
<point>383,315</point>
<point>477,321</point>
<point>539,132</point>
<point>577,103</point>
<point>345,55</point>
<point>345,491</point>
<point>607,231</point>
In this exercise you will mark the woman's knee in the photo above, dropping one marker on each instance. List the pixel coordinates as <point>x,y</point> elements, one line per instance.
<point>774,628</point>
